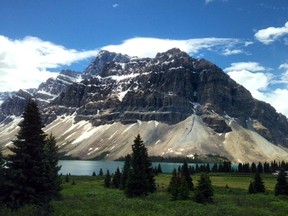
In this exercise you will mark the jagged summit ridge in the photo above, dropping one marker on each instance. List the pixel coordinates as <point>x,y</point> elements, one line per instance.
<point>102,59</point>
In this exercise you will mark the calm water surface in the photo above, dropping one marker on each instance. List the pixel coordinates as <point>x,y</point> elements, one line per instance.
<point>83,167</point>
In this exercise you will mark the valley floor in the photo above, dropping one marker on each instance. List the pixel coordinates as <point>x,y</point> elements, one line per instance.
<point>85,195</point>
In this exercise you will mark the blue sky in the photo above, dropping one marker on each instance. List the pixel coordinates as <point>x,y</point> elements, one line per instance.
<point>248,39</point>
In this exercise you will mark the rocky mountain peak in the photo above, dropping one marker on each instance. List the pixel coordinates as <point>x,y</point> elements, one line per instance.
<point>171,89</point>
<point>102,59</point>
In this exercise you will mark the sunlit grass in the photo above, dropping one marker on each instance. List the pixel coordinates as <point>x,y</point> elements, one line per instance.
<point>88,197</point>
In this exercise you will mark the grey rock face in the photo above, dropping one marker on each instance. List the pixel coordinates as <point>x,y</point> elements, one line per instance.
<point>168,88</point>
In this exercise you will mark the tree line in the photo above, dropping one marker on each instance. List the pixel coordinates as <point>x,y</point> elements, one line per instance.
<point>226,166</point>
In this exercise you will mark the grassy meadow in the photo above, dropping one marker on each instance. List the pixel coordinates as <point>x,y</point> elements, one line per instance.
<point>85,195</point>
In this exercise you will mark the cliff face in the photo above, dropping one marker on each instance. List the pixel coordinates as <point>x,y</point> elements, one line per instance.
<point>168,89</point>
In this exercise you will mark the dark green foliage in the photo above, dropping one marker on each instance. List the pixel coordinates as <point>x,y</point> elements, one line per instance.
<point>52,159</point>
<point>31,171</point>
<point>184,190</point>
<point>67,179</point>
<point>140,177</point>
<point>101,172</point>
<point>251,188</point>
<point>125,171</point>
<point>174,185</point>
<point>281,187</point>
<point>159,169</point>
<point>178,187</point>
<point>204,190</point>
<point>185,175</point>
<point>260,167</point>
<point>94,174</point>
<point>107,180</point>
<point>258,183</point>
<point>116,180</point>
<point>253,167</point>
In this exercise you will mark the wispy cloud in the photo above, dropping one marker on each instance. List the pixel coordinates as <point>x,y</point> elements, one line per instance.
<point>228,52</point>
<point>149,47</point>
<point>208,1</point>
<point>115,5</point>
<point>271,34</point>
<point>261,83</point>
<point>27,62</point>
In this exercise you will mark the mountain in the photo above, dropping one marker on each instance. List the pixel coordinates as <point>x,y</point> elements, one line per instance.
<point>179,105</point>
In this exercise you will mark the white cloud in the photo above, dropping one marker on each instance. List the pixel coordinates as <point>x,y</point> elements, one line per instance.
<point>26,63</point>
<point>228,52</point>
<point>249,66</point>
<point>258,81</point>
<point>271,34</point>
<point>149,47</point>
<point>115,5</point>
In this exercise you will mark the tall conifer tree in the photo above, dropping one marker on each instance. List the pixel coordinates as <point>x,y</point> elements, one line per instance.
<point>141,178</point>
<point>185,174</point>
<point>28,179</point>
<point>281,187</point>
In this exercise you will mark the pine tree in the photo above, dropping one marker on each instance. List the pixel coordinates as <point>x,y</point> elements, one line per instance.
<point>174,185</point>
<point>53,168</point>
<point>251,188</point>
<point>258,183</point>
<point>257,186</point>
<point>107,179</point>
<point>204,190</point>
<point>183,190</point>
<point>159,169</point>
<point>100,172</point>
<point>141,178</point>
<point>125,171</point>
<point>281,187</point>
<point>28,167</point>
<point>116,180</point>
<point>185,174</point>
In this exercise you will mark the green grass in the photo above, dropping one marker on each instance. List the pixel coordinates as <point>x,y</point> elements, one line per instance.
<point>88,197</point>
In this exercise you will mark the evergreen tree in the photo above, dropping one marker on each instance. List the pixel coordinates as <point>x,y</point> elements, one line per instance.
<point>281,187</point>
<point>215,167</point>
<point>141,179</point>
<point>257,186</point>
<point>260,167</point>
<point>185,174</point>
<point>116,180</point>
<point>174,185</point>
<point>100,172</point>
<point>28,170</point>
<point>93,174</point>
<point>53,168</point>
<point>240,168</point>
<point>125,171</point>
<point>253,167</point>
<point>107,179</point>
<point>159,169</point>
<point>251,188</point>
<point>204,190</point>
<point>258,183</point>
<point>183,190</point>
<point>67,179</point>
